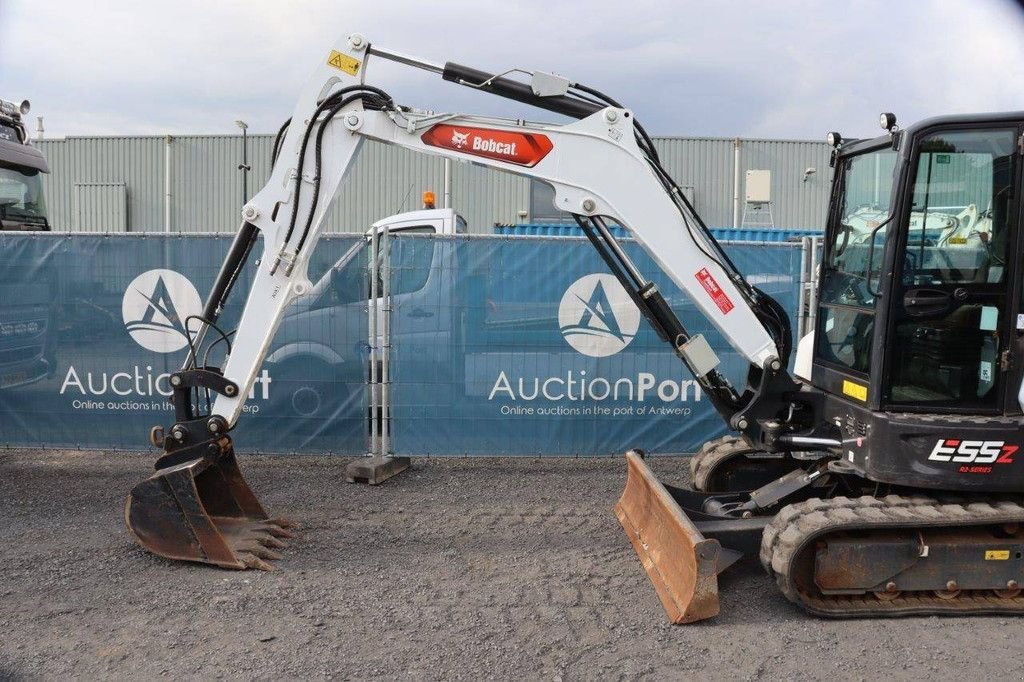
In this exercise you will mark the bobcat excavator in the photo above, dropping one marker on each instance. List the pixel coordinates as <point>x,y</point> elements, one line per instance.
<point>881,477</point>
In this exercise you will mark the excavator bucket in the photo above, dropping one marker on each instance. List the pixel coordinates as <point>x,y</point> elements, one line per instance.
<point>203,510</point>
<point>681,562</point>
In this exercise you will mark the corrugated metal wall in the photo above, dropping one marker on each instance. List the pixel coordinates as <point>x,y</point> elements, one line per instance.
<point>485,197</point>
<point>101,207</point>
<point>135,161</point>
<point>796,202</point>
<point>707,164</point>
<point>206,185</point>
<point>384,180</point>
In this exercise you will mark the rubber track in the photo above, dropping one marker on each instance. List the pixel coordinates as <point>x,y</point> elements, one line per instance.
<point>797,526</point>
<point>715,453</point>
<point>711,455</point>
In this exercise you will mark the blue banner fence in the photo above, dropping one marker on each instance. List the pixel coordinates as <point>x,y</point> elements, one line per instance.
<point>526,346</point>
<point>497,345</point>
<point>90,327</point>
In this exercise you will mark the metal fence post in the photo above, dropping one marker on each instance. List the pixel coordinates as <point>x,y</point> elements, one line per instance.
<point>373,268</point>
<point>380,466</point>
<point>801,316</point>
<point>385,377</point>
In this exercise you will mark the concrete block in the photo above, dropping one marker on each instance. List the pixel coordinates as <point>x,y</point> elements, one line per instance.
<point>375,470</point>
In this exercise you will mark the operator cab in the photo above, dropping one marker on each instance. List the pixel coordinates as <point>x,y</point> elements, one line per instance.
<point>22,203</point>
<point>919,311</point>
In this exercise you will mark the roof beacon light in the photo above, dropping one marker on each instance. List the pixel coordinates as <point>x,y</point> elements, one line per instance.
<point>428,199</point>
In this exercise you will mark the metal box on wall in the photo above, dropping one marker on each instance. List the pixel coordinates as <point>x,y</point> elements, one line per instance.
<point>759,186</point>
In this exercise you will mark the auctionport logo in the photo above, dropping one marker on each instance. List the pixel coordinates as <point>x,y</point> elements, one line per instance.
<point>597,317</point>
<point>155,307</point>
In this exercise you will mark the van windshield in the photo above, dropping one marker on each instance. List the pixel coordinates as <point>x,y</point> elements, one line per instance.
<point>348,279</point>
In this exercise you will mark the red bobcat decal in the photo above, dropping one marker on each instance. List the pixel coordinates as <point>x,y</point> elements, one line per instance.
<point>975,453</point>
<point>720,298</point>
<point>520,148</point>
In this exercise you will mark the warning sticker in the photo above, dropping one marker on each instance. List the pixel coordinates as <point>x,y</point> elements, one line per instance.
<point>720,298</point>
<point>343,62</point>
<point>997,554</point>
<point>855,390</point>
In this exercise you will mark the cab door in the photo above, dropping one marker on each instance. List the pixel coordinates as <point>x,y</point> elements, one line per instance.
<point>859,228</point>
<point>952,299</point>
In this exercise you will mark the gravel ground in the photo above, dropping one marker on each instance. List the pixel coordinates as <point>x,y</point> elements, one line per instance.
<point>457,569</point>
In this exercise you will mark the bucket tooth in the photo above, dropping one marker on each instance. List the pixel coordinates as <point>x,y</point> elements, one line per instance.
<point>203,510</point>
<point>680,561</point>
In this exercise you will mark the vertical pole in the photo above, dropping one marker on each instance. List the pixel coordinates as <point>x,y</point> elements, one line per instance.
<point>385,370</point>
<point>446,199</point>
<point>801,319</point>
<point>245,165</point>
<point>380,466</point>
<point>373,269</point>
<point>167,182</point>
<point>736,182</point>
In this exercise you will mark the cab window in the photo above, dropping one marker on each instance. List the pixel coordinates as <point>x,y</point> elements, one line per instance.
<point>855,243</point>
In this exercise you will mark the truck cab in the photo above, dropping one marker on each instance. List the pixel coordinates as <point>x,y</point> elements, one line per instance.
<point>27,313</point>
<point>22,204</point>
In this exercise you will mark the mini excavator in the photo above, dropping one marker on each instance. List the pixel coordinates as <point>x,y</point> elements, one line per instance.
<point>881,476</point>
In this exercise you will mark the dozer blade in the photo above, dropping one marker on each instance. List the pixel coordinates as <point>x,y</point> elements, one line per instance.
<point>681,562</point>
<point>203,510</point>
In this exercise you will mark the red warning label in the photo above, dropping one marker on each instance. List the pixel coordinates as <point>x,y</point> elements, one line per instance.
<point>717,295</point>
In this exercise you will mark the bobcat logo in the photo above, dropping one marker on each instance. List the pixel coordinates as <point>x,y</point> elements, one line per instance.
<point>460,140</point>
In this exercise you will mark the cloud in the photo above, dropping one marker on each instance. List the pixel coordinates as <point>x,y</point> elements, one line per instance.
<point>789,68</point>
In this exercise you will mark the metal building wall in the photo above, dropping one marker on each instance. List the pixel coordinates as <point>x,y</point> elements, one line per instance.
<point>101,207</point>
<point>135,161</point>
<point>485,197</point>
<point>58,185</point>
<point>707,165</point>
<point>383,181</point>
<point>796,202</point>
<point>206,185</point>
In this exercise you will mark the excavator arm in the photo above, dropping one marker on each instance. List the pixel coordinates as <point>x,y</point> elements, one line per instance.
<point>603,169</point>
<point>595,165</point>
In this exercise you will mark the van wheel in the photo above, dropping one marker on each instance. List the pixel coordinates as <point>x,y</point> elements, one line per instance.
<point>307,388</point>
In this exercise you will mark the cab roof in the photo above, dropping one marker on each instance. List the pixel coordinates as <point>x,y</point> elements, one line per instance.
<point>994,118</point>
<point>24,155</point>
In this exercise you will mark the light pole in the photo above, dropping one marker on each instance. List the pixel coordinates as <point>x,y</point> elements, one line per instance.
<point>244,166</point>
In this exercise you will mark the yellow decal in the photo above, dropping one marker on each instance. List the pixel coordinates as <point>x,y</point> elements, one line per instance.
<point>997,554</point>
<point>343,62</point>
<point>855,390</point>
<point>958,240</point>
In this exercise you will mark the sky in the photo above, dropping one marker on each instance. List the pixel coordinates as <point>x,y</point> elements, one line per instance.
<point>791,69</point>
